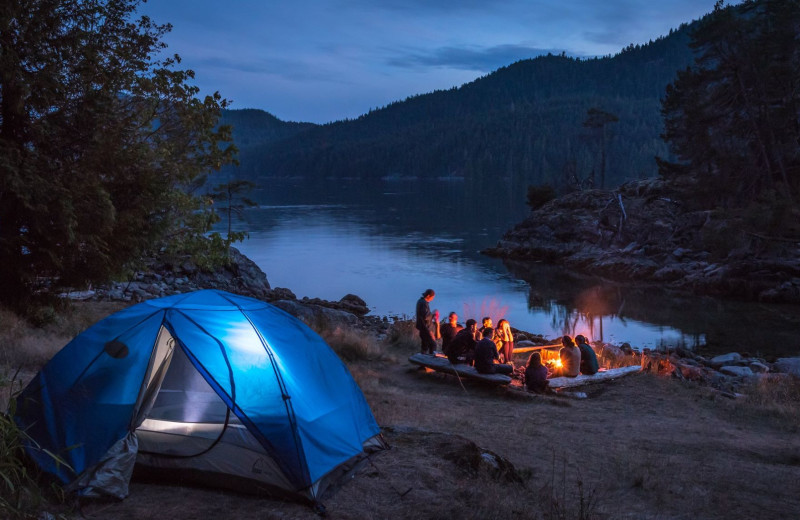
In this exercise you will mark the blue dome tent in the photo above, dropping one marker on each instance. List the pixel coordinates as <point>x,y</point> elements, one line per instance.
<point>204,384</point>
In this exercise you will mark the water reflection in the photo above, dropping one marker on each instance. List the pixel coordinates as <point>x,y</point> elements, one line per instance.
<point>389,241</point>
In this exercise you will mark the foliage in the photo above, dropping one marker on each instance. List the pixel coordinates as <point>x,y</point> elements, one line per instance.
<point>21,494</point>
<point>598,120</point>
<point>731,119</point>
<point>99,141</point>
<point>230,200</point>
<point>538,196</point>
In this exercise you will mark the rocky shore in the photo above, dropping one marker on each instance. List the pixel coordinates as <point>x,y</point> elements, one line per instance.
<point>241,276</point>
<point>639,233</point>
<point>726,373</point>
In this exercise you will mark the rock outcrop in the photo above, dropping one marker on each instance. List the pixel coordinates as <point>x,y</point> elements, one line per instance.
<point>638,233</point>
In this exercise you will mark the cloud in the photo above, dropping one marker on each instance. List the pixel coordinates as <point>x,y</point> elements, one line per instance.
<point>469,58</point>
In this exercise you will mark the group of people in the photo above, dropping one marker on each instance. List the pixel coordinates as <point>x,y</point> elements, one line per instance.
<point>490,349</point>
<point>576,357</point>
<point>487,348</point>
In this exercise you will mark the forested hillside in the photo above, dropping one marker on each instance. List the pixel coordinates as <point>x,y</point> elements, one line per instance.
<point>523,122</point>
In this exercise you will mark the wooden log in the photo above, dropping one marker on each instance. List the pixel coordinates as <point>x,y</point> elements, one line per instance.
<point>522,350</point>
<point>604,375</point>
<point>442,364</point>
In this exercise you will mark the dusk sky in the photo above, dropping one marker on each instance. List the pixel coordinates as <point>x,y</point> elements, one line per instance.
<point>325,60</point>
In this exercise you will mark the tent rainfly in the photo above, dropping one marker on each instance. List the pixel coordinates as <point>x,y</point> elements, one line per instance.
<point>204,385</point>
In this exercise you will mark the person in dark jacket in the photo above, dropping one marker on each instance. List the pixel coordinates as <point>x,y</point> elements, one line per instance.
<point>536,374</point>
<point>462,348</point>
<point>425,321</point>
<point>486,323</point>
<point>589,363</point>
<point>486,355</point>
<point>449,331</point>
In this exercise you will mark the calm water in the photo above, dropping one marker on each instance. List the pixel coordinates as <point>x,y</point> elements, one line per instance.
<point>390,240</point>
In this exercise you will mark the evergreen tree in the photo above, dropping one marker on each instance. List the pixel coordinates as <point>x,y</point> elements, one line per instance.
<point>230,200</point>
<point>732,118</point>
<point>98,139</point>
<point>598,120</point>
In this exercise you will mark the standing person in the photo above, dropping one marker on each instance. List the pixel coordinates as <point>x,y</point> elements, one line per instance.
<point>425,321</point>
<point>589,363</point>
<point>486,355</point>
<point>536,374</point>
<point>570,356</point>
<point>462,348</point>
<point>449,331</point>
<point>504,340</point>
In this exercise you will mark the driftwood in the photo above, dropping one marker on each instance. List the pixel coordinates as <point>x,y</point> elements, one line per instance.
<point>522,350</point>
<point>441,364</point>
<point>603,375</point>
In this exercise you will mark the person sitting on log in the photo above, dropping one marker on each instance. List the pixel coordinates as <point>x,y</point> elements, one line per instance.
<point>487,360</point>
<point>462,348</point>
<point>486,323</point>
<point>536,374</point>
<point>589,365</point>
<point>504,340</point>
<point>449,331</point>
<point>570,357</point>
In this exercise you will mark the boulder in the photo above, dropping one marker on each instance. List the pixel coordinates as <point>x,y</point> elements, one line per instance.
<point>758,367</point>
<point>316,316</point>
<point>736,371</point>
<point>725,359</point>
<point>354,304</point>
<point>787,366</point>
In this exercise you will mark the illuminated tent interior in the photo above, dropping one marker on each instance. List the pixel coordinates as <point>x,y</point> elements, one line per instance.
<point>206,386</point>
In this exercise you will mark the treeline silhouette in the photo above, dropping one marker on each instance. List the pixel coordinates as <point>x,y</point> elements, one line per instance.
<point>522,123</point>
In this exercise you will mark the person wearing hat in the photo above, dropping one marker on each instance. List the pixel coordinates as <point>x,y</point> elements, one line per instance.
<point>425,321</point>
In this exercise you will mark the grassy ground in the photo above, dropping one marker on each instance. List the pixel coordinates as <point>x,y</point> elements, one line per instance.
<point>642,447</point>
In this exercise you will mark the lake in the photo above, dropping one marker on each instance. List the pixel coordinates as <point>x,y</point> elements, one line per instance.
<point>387,241</point>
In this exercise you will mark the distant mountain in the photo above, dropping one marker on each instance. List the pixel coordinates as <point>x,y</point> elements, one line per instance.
<point>253,127</point>
<point>523,123</point>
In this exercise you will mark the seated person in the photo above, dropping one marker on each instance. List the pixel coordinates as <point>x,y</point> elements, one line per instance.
<point>449,331</point>
<point>486,324</point>
<point>536,374</point>
<point>570,356</point>
<point>461,349</point>
<point>589,363</point>
<point>504,340</point>
<point>486,355</point>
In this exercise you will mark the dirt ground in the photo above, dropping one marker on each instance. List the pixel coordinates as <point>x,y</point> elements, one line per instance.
<point>641,447</point>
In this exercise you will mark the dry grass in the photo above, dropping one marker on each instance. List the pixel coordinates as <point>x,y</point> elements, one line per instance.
<point>353,345</point>
<point>775,397</point>
<point>23,345</point>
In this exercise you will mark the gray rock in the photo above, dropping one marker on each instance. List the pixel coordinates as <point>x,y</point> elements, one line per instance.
<point>354,304</point>
<point>316,316</point>
<point>736,371</point>
<point>725,358</point>
<point>788,366</point>
<point>680,252</point>
<point>759,367</point>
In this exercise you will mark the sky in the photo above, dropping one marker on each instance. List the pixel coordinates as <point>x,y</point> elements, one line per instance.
<point>327,60</point>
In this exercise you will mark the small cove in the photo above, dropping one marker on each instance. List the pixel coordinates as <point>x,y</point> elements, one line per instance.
<point>387,241</point>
